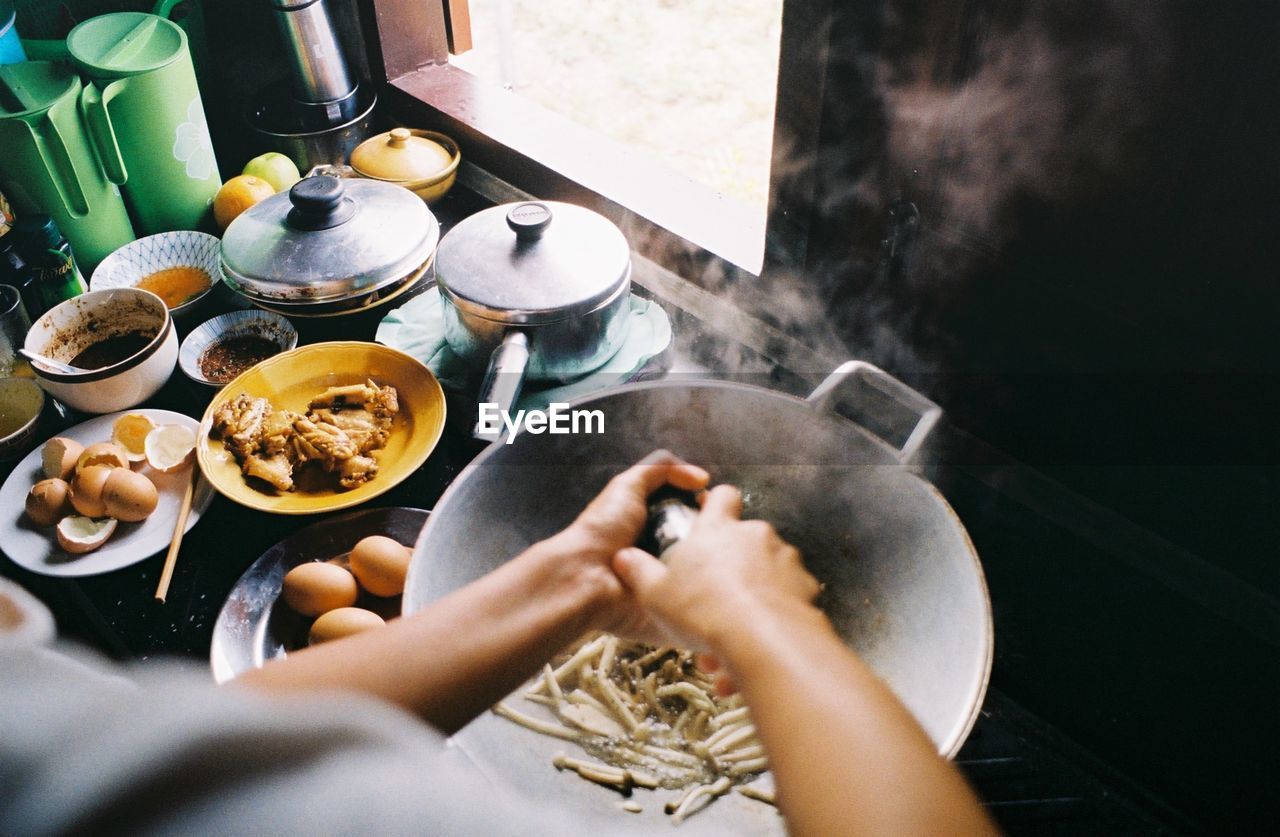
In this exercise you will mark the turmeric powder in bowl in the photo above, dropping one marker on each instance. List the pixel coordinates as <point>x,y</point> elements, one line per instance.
<point>176,285</point>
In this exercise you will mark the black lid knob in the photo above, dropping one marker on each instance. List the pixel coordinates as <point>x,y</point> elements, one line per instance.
<point>319,203</point>
<point>529,220</point>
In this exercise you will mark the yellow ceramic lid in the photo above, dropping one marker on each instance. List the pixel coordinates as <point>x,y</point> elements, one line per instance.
<point>400,154</point>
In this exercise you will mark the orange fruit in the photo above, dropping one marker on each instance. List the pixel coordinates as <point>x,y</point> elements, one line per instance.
<point>238,194</point>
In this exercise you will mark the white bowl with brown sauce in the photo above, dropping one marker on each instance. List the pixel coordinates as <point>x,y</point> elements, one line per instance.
<point>123,339</point>
<point>182,267</point>
<point>221,348</point>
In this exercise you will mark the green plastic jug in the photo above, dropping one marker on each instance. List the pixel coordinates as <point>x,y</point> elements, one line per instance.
<point>48,164</point>
<point>142,106</point>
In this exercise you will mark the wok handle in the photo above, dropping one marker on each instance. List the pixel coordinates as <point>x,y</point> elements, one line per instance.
<point>503,380</point>
<point>922,413</point>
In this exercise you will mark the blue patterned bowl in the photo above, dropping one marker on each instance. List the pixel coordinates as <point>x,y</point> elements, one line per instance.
<point>257,323</point>
<point>130,264</point>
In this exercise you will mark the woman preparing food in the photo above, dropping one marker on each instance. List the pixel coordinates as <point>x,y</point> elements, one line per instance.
<point>86,751</point>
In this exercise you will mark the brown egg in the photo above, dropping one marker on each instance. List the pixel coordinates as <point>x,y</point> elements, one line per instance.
<point>48,502</point>
<point>380,564</point>
<point>86,490</point>
<point>344,621</point>
<point>59,456</point>
<point>316,587</point>
<point>103,453</point>
<point>129,496</point>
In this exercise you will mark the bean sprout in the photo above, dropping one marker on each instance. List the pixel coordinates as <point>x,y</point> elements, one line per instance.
<point>651,718</point>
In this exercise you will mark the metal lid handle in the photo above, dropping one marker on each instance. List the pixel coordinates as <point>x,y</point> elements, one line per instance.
<point>319,203</point>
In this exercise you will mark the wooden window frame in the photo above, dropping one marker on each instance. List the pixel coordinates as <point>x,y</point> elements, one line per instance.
<point>682,225</point>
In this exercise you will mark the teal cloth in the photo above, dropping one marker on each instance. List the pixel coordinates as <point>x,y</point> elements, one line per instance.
<point>417,329</point>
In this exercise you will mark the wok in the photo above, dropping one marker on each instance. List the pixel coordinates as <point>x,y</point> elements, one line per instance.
<point>903,585</point>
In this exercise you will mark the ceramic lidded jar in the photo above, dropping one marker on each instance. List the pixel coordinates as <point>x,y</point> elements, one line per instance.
<point>424,162</point>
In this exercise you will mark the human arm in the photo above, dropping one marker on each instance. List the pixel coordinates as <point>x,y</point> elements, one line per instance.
<point>456,657</point>
<point>846,756</point>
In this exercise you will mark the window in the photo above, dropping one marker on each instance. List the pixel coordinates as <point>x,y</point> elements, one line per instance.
<point>678,219</point>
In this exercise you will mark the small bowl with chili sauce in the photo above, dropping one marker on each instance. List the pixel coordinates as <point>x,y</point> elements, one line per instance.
<point>181,267</point>
<point>123,339</point>
<point>218,350</point>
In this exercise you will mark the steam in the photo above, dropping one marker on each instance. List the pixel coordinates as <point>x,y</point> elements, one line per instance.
<point>947,139</point>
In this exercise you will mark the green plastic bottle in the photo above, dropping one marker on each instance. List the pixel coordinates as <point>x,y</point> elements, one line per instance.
<point>48,254</point>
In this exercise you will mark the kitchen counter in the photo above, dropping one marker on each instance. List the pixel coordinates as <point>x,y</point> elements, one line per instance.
<point>1063,577</point>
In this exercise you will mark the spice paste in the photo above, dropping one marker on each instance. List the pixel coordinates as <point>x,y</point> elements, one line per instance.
<point>228,358</point>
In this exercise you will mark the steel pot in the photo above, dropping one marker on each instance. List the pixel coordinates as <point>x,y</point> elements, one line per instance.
<point>903,583</point>
<point>329,246</point>
<point>535,289</point>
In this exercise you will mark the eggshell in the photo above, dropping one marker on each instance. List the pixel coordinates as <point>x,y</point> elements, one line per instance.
<point>103,453</point>
<point>86,490</point>
<point>344,621</point>
<point>58,457</point>
<point>316,587</point>
<point>79,535</point>
<point>48,502</point>
<point>129,496</point>
<point>380,564</point>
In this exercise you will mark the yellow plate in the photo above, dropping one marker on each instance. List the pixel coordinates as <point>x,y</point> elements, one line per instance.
<point>290,380</point>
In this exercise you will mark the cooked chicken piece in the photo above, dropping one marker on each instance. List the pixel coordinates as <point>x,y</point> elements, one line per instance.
<point>353,395</point>
<point>357,470</point>
<point>343,425</point>
<point>276,470</point>
<point>360,426</point>
<point>277,428</point>
<point>319,441</point>
<point>239,423</point>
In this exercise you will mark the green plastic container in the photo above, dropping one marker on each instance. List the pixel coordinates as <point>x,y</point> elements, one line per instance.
<point>48,164</point>
<point>144,113</point>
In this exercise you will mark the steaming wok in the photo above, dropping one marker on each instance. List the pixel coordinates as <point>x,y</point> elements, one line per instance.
<point>903,584</point>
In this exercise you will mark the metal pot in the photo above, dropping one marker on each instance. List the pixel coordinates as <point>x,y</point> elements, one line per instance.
<point>329,246</point>
<point>535,289</point>
<point>903,584</point>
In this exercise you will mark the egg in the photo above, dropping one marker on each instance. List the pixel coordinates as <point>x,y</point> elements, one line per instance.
<point>86,490</point>
<point>48,502</point>
<point>380,564</point>
<point>129,496</point>
<point>59,456</point>
<point>103,453</point>
<point>314,588</point>
<point>344,621</point>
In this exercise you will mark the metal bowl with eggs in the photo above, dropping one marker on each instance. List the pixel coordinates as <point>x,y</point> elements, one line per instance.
<point>344,575</point>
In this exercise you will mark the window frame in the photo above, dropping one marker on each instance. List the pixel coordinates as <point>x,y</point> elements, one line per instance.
<point>682,225</point>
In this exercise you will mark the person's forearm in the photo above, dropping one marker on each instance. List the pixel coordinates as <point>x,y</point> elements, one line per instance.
<point>453,659</point>
<point>846,756</point>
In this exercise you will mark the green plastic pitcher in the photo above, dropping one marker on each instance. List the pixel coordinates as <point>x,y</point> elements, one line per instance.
<point>144,114</point>
<point>48,164</point>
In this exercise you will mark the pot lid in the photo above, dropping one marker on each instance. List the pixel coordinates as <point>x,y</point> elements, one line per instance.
<point>532,262</point>
<point>33,87</point>
<point>400,154</point>
<point>328,239</point>
<point>125,44</point>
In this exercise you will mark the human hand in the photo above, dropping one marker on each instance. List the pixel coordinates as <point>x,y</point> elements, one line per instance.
<point>613,520</point>
<point>725,571</point>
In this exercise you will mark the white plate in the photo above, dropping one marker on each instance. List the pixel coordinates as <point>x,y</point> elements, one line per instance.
<point>35,548</point>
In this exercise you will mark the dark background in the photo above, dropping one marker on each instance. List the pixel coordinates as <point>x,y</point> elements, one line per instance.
<point>1059,219</point>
